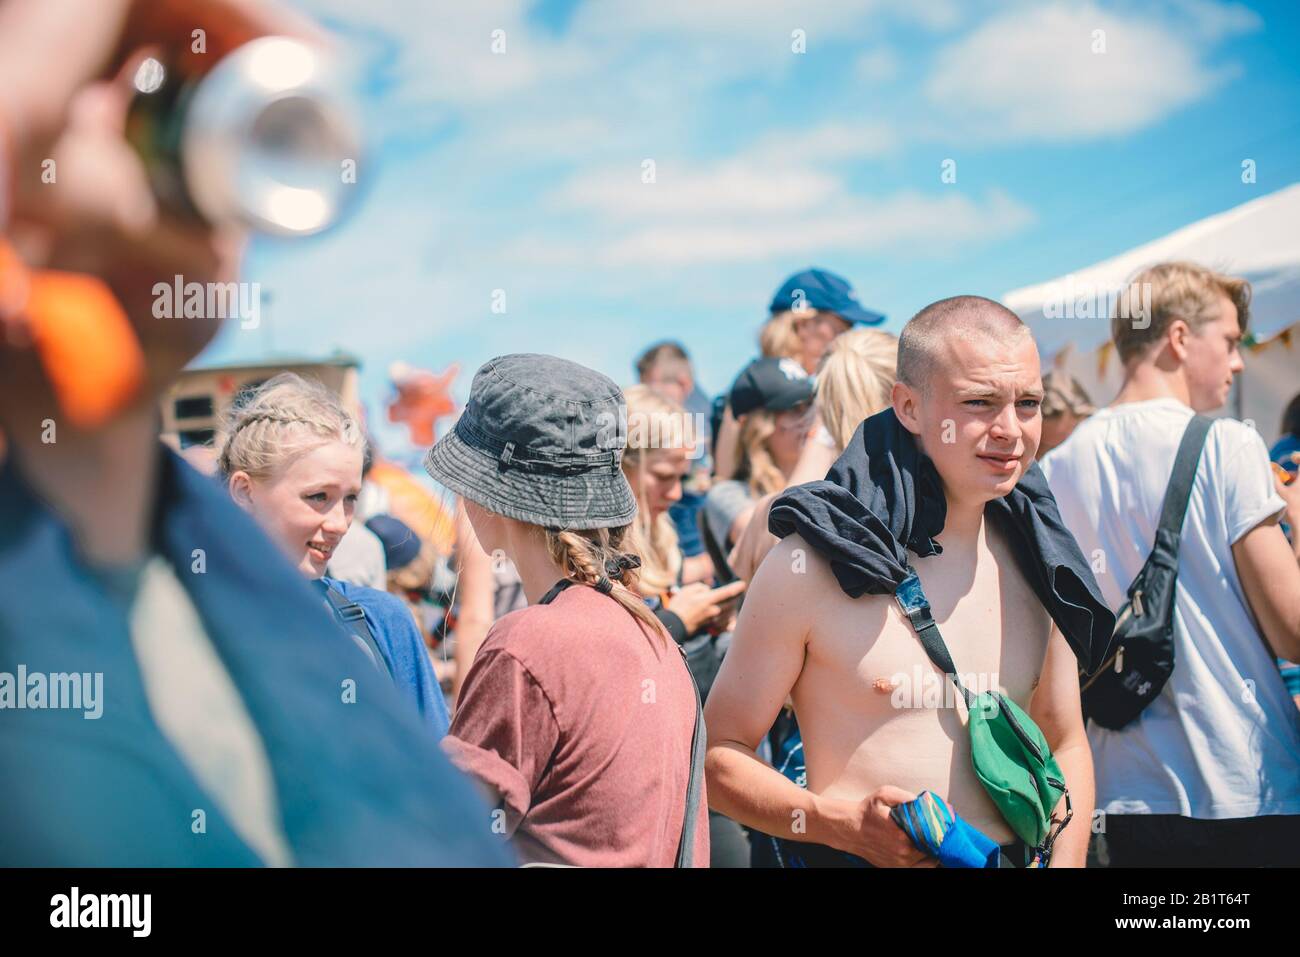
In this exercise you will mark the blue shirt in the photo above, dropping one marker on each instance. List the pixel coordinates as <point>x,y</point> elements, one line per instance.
<point>399,641</point>
<point>358,779</point>
<point>1282,449</point>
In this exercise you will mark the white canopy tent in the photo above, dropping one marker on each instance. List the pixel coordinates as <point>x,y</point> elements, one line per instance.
<point>1260,240</point>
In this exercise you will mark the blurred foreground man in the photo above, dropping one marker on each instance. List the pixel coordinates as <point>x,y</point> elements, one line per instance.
<point>1209,773</point>
<point>171,691</point>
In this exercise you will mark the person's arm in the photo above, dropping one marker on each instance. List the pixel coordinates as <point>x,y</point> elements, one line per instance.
<point>764,662</point>
<point>475,589</point>
<point>503,734</point>
<point>754,543</point>
<point>738,525</point>
<point>1055,708</point>
<point>817,456</point>
<point>1270,575</point>
<point>725,452</point>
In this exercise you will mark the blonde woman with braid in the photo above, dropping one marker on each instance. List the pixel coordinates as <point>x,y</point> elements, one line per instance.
<point>578,715</point>
<point>291,456</point>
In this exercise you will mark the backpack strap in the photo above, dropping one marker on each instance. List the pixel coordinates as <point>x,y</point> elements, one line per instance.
<point>911,599</point>
<point>353,617</point>
<point>1179,491</point>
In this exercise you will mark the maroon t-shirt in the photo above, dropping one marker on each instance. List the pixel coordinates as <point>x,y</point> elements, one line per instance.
<point>582,721</point>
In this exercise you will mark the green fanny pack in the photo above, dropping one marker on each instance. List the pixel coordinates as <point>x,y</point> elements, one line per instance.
<point>1010,755</point>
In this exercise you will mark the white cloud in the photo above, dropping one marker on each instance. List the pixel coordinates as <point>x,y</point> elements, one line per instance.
<point>876,66</point>
<point>443,53</point>
<point>923,223</point>
<point>758,18</point>
<point>681,191</point>
<point>1032,73</point>
<point>826,143</point>
<point>1213,21</point>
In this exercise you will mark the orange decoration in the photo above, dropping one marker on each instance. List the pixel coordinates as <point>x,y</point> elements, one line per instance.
<point>85,342</point>
<point>422,399</point>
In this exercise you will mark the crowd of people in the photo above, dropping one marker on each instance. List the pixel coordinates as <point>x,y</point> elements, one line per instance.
<point>867,608</point>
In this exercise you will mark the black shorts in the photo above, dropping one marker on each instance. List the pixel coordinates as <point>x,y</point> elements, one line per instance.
<point>1171,840</point>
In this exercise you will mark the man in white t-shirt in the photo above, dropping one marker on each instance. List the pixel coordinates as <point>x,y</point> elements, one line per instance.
<point>1209,773</point>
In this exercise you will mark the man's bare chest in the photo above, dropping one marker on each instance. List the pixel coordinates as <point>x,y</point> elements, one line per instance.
<point>991,621</point>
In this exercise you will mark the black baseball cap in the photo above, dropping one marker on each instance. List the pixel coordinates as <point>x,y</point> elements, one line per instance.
<point>775,384</point>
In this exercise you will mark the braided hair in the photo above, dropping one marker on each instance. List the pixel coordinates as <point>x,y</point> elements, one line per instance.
<point>282,419</point>
<point>594,557</point>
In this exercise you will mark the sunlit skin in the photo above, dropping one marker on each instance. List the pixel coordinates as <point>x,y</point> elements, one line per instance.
<point>307,506</point>
<point>982,423</point>
<point>1056,430</point>
<point>674,387</point>
<point>816,332</point>
<point>1212,358</point>
<point>791,434</point>
<point>657,479</point>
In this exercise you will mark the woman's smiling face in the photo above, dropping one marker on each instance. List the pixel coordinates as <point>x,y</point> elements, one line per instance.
<point>307,506</point>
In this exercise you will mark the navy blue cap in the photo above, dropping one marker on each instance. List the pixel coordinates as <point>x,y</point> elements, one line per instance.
<point>776,384</point>
<point>401,544</point>
<point>822,290</point>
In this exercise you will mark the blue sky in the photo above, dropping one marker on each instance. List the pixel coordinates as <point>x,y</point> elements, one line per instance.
<point>522,171</point>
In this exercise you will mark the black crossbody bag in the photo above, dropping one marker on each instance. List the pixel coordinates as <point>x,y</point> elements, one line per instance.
<point>1142,647</point>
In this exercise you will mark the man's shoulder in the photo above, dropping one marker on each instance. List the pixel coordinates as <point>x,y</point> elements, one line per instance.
<point>794,569</point>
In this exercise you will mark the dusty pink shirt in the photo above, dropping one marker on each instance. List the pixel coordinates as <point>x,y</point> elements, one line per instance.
<point>583,723</point>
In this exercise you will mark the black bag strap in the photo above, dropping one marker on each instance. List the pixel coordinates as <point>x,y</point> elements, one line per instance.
<point>1179,491</point>
<point>721,569</point>
<point>353,618</point>
<point>911,598</point>
<point>685,843</point>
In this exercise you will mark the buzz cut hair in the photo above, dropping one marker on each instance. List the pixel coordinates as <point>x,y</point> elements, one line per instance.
<point>959,317</point>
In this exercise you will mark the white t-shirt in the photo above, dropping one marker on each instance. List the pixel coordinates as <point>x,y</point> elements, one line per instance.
<point>1222,740</point>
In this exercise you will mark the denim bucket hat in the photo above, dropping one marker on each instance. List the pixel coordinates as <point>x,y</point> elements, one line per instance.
<point>540,441</point>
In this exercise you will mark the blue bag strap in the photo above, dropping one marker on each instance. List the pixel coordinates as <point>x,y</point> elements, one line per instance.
<point>911,599</point>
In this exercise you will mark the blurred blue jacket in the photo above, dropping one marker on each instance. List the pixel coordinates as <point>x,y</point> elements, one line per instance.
<point>359,783</point>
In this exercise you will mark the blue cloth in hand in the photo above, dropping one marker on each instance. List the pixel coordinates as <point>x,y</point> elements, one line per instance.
<point>936,830</point>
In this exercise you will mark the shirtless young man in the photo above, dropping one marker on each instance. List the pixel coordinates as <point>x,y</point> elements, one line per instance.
<point>969,390</point>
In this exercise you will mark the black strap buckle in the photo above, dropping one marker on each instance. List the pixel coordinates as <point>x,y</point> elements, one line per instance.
<point>351,612</point>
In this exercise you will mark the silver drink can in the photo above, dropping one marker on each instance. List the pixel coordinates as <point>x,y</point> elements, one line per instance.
<point>267,139</point>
